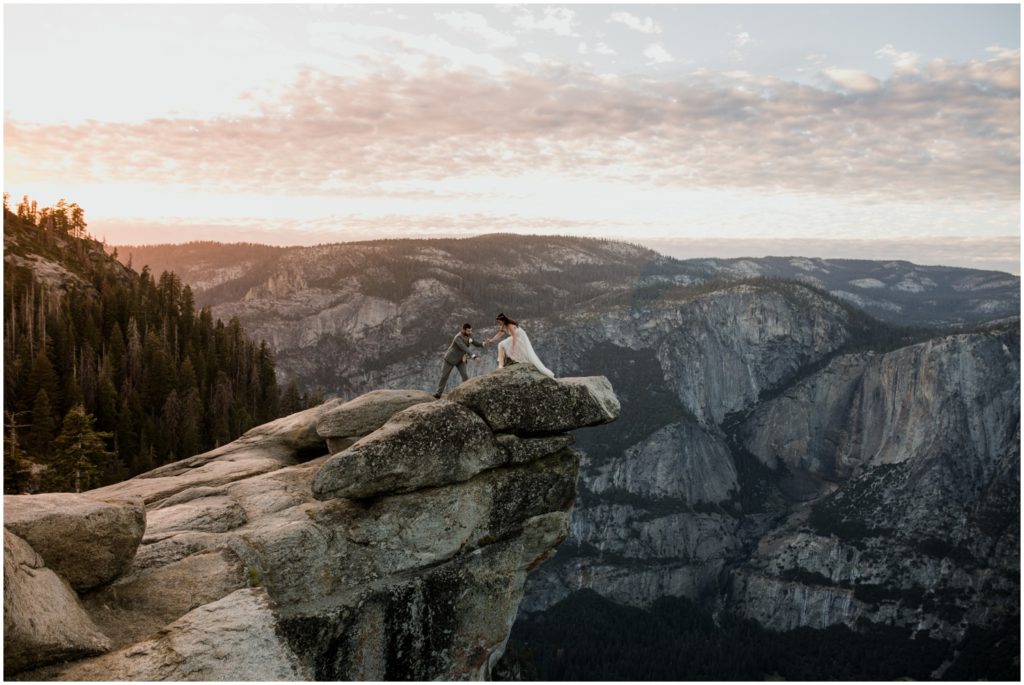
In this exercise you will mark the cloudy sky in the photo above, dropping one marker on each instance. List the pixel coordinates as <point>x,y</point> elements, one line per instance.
<point>877,131</point>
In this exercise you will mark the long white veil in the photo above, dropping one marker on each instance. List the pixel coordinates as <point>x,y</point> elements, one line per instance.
<point>523,353</point>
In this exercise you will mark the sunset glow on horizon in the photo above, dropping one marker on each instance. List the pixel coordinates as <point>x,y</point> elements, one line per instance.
<point>857,131</point>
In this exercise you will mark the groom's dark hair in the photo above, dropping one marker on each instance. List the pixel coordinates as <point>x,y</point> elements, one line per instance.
<point>466,325</point>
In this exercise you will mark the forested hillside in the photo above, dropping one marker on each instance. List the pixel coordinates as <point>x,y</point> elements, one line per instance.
<point>109,372</point>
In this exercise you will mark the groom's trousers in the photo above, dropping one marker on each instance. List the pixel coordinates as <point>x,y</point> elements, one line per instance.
<point>447,370</point>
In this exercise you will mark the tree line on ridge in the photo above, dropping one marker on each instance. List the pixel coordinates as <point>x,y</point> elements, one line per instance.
<point>109,373</point>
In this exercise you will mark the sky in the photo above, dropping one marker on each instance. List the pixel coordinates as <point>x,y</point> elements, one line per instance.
<point>873,131</point>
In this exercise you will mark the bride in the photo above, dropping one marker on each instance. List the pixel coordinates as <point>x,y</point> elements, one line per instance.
<point>516,347</point>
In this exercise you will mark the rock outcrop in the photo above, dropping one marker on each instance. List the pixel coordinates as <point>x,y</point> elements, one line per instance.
<point>43,619</point>
<point>342,425</point>
<point>86,540</point>
<point>533,403</point>
<point>403,556</point>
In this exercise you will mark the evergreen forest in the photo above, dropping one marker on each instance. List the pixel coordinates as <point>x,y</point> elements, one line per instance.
<point>109,373</point>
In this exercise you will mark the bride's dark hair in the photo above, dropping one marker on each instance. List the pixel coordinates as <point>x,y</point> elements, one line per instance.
<point>505,320</point>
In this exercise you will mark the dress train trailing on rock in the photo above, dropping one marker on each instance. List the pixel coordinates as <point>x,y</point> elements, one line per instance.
<point>523,354</point>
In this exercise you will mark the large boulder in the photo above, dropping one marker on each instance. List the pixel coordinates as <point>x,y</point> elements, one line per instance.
<point>234,638</point>
<point>284,442</point>
<point>521,399</point>
<point>367,413</point>
<point>423,446</point>
<point>87,540</point>
<point>43,620</point>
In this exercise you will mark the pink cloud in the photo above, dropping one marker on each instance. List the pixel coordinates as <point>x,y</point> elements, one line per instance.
<point>950,131</point>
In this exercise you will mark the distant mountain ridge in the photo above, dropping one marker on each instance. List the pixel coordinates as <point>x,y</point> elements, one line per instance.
<point>897,291</point>
<point>202,264</point>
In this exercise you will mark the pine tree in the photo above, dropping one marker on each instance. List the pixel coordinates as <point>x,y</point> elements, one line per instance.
<point>80,458</point>
<point>41,434</point>
<point>134,363</point>
<point>116,354</point>
<point>43,377</point>
<point>187,376</point>
<point>220,411</point>
<point>106,402</point>
<point>191,420</point>
<point>77,221</point>
<point>127,428</point>
<point>144,461</point>
<point>23,209</point>
<point>17,475</point>
<point>291,401</point>
<point>267,393</point>
<point>170,425</point>
<point>158,377</point>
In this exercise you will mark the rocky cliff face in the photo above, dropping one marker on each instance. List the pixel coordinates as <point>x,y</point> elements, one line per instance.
<point>881,489</point>
<point>779,455</point>
<point>401,556</point>
<point>920,450</point>
<point>659,511</point>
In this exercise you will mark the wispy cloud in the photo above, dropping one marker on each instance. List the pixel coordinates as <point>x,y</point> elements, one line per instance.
<point>739,40</point>
<point>560,21</point>
<point>379,46</point>
<point>902,62</point>
<point>853,80</point>
<point>476,25</point>
<point>643,25</point>
<point>814,62</point>
<point>657,54</point>
<point>950,131</point>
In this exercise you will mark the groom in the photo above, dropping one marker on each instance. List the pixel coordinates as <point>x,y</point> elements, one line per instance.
<point>456,356</point>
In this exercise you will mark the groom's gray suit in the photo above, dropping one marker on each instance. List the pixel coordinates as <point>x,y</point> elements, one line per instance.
<point>455,357</point>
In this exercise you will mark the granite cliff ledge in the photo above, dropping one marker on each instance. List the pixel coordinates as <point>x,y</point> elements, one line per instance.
<point>400,552</point>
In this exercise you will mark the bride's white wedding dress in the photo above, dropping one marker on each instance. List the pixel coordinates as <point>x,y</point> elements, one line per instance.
<point>523,353</point>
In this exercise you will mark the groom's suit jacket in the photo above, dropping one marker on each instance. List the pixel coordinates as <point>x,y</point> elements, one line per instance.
<point>460,348</point>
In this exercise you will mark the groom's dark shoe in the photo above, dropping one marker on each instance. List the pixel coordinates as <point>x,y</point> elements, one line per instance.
<point>437,395</point>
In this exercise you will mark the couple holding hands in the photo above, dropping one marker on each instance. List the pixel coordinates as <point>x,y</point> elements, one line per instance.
<point>516,348</point>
